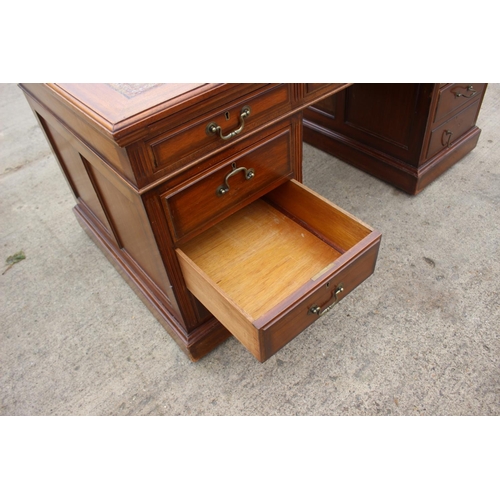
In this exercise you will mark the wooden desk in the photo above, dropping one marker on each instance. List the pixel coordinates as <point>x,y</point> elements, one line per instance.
<point>405,134</point>
<point>193,192</point>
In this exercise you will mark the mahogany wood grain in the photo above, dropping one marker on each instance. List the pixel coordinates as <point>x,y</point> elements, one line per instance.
<point>191,140</point>
<point>359,155</point>
<point>72,164</point>
<point>448,101</point>
<point>387,117</point>
<point>80,126</point>
<point>127,115</point>
<point>131,225</point>
<point>116,205</point>
<point>444,136</point>
<point>107,138</point>
<point>394,131</point>
<point>197,203</point>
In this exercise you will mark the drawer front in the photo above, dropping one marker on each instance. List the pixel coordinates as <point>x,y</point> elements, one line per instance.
<point>456,95</point>
<point>321,301</point>
<point>448,133</point>
<point>234,182</point>
<point>215,130</point>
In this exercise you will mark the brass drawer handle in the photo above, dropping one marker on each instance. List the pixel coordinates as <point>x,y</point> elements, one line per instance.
<point>317,309</point>
<point>224,188</point>
<point>470,88</point>
<point>448,133</point>
<point>213,128</point>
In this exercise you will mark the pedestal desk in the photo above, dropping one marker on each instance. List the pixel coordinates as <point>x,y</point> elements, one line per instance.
<point>405,134</point>
<point>193,192</point>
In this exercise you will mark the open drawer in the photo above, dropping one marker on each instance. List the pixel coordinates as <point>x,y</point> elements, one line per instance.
<point>275,266</point>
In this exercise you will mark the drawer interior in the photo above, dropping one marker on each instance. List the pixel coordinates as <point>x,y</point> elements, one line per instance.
<point>258,256</point>
<point>275,249</point>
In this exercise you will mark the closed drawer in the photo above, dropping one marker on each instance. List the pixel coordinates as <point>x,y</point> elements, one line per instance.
<point>275,266</point>
<point>216,129</point>
<point>449,132</point>
<point>239,178</point>
<point>455,95</point>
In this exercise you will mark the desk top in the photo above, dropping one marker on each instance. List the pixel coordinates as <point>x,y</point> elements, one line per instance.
<point>117,106</point>
<point>125,111</point>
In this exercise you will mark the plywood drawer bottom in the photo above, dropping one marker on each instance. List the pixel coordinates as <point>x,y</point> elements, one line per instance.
<point>272,268</point>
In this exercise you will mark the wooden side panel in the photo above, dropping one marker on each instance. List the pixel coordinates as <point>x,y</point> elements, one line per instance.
<point>76,173</point>
<point>383,111</point>
<point>132,228</point>
<point>388,117</point>
<point>117,208</point>
<point>383,166</point>
<point>85,131</point>
<point>222,307</point>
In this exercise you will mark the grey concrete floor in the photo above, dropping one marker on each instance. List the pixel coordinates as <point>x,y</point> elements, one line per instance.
<point>419,337</point>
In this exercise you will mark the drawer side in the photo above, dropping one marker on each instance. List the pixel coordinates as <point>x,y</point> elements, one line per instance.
<point>236,320</point>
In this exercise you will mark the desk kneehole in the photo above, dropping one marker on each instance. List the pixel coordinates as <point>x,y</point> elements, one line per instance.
<point>269,270</point>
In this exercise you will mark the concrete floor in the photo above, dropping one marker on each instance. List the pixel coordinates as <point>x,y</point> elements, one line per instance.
<point>420,337</point>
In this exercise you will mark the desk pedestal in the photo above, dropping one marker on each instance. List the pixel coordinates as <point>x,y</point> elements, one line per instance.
<point>404,134</point>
